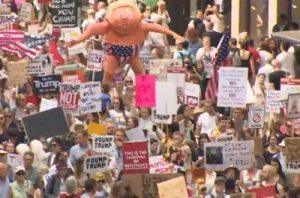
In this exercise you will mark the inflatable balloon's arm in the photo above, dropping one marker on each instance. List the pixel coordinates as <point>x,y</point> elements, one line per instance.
<point>92,30</point>
<point>153,27</point>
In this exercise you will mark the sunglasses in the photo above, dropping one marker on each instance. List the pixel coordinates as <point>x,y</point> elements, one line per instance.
<point>8,116</point>
<point>21,173</point>
<point>53,145</point>
<point>129,81</point>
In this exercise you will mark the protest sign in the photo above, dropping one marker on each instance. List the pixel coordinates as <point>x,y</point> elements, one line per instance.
<point>288,86</point>
<point>144,185</point>
<point>177,75</point>
<point>166,104</point>
<point>199,175</point>
<point>135,134</point>
<point>7,21</point>
<point>103,143</point>
<point>90,97</point>
<point>145,91</point>
<point>73,33</point>
<point>25,13</point>
<point>75,76</point>
<point>145,61</point>
<point>96,129</point>
<point>293,106</point>
<point>159,166</point>
<point>95,163</point>
<point>220,155</point>
<point>17,73</point>
<point>232,90</point>
<point>290,167</point>
<point>46,124</point>
<point>192,94</point>
<point>41,65</point>
<point>158,67</point>
<point>296,127</point>
<point>159,118</point>
<point>256,117</point>
<point>292,149</point>
<point>135,157</point>
<point>64,12</point>
<point>46,84</point>
<point>14,160</point>
<point>166,189</point>
<point>48,104</point>
<point>273,101</point>
<point>225,138</point>
<point>264,192</point>
<point>95,60</point>
<point>242,195</point>
<point>69,97</point>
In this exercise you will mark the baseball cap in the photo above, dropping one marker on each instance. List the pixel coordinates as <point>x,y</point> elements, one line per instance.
<point>19,168</point>
<point>219,179</point>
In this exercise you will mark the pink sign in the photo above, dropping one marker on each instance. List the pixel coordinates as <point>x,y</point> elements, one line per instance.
<point>145,91</point>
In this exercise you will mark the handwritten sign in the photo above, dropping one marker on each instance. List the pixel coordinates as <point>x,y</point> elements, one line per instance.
<point>90,97</point>
<point>161,119</point>
<point>232,90</point>
<point>166,189</point>
<point>256,117</point>
<point>158,165</point>
<point>220,155</point>
<point>103,143</point>
<point>145,91</point>
<point>46,84</point>
<point>70,34</point>
<point>95,163</point>
<point>273,101</point>
<point>25,13</point>
<point>64,13</point>
<point>7,21</point>
<point>14,160</point>
<point>135,157</point>
<point>95,60</point>
<point>41,65</point>
<point>192,94</point>
<point>69,97</point>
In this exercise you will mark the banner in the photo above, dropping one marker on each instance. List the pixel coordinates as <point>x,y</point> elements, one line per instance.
<point>135,157</point>
<point>46,84</point>
<point>41,65</point>
<point>273,101</point>
<point>288,86</point>
<point>95,163</point>
<point>48,104</point>
<point>90,101</point>
<point>160,119</point>
<point>256,117</point>
<point>135,134</point>
<point>70,34</point>
<point>166,98</point>
<point>192,94</point>
<point>221,155</point>
<point>95,60</point>
<point>232,90</point>
<point>158,67</point>
<point>175,188</point>
<point>145,91</point>
<point>103,143</point>
<point>7,21</point>
<point>69,97</point>
<point>64,12</point>
<point>293,106</point>
<point>15,160</point>
<point>264,192</point>
<point>25,13</point>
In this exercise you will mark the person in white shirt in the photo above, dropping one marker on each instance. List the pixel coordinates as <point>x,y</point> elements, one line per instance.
<point>286,59</point>
<point>266,70</point>
<point>100,14</point>
<point>90,20</point>
<point>207,121</point>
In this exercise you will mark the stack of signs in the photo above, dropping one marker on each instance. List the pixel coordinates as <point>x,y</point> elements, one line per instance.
<point>232,90</point>
<point>273,101</point>
<point>90,97</point>
<point>145,91</point>
<point>192,94</point>
<point>69,97</point>
<point>41,65</point>
<point>135,157</point>
<point>95,60</point>
<point>46,84</point>
<point>220,155</point>
<point>25,13</point>
<point>96,163</point>
<point>7,21</point>
<point>71,34</point>
<point>64,12</point>
<point>293,106</point>
<point>256,117</point>
<point>103,143</point>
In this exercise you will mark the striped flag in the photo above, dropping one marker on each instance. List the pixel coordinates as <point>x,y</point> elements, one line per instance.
<point>223,50</point>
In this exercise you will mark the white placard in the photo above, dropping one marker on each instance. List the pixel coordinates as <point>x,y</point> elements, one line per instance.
<point>25,13</point>
<point>41,65</point>
<point>103,143</point>
<point>90,97</point>
<point>192,94</point>
<point>273,103</point>
<point>95,163</point>
<point>158,67</point>
<point>70,34</point>
<point>48,104</point>
<point>135,134</point>
<point>95,60</point>
<point>256,117</point>
<point>14,160</point>
<point>166,98</point>
<point>161,119</point>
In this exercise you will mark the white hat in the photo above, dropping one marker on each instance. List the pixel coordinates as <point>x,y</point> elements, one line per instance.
<point>282,143</point>
<point>19,168</point>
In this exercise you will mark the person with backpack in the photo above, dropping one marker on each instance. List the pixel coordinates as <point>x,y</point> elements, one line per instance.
<point>183,54</point>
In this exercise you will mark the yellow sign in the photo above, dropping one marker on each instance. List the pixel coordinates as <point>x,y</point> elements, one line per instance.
<point>96,129</point>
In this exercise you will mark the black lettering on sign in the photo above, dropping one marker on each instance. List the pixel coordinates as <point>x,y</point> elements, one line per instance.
<point>64,12</point>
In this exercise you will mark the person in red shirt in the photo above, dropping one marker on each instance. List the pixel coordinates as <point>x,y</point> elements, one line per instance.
<point>254,53</point>
<point>29,95</point>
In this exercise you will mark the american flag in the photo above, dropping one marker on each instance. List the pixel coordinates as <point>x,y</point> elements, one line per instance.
<point>124,53</point>
<point>223,50</point>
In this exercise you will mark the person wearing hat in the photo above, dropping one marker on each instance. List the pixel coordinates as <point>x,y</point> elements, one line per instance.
<point>219,189</point>
<point>100,181</point>
<point>20,188</point>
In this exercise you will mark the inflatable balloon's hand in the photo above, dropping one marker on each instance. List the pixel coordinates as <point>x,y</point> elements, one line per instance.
<point>70,43</point>
<point>178,38</point>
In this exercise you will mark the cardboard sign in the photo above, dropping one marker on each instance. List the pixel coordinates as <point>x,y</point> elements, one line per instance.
<point>158,67</point>
<point>46,84</point>
<point>17,73</point>
<point>166,104</point>
<point>46,124</point>
<point>160,119</point>
<point>135,134</point>
<point>104,143</point>
<point>256,117</point>
<point>64,13</point>
<point>48,104</point>
<point>135,157</point>
<point>95,163</point>
<point>199,175</point>
<point>25,13</point>
<point>145,91</point>
<point>292,149</point>
<point>264,192</point>
<point>15,160</point>
<point>90,97</point>
<point>288,86</point>
<point>41,65</point>
<point>221,155</point>
<point>96,129</point>
<point>192,94</point>
<point>95,60</point>
<point>166,189</point>
<point>7,21</point>
<point>144,185</point>
<point>273,101</point>
<point>158,165</point>
<point>293,106</point>
<point>232,89</point>
<point>69,97</point>
<point>71,34</point>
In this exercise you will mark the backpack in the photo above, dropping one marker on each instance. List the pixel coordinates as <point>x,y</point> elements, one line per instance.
<point>187,60</point>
